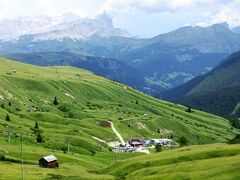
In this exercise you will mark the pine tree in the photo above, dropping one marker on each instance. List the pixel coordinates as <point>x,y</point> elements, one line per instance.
<point>189,109</point>
<point>36,125</point>
<point>39,138</point>
<point>55,102</point>
<point>2,106</point>
<point>8,118</point>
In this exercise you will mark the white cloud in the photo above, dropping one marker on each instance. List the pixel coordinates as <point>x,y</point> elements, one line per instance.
<point>152,6</point>
<point>229,13</point>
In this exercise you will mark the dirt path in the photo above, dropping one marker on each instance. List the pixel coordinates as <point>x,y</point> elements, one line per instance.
<point>117,133</point>
<point>237,107</point>
<point>144,127</point>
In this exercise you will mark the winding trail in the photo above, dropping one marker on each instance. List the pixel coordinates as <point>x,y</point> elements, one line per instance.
<point>237,107</point>
<point>117,133</point>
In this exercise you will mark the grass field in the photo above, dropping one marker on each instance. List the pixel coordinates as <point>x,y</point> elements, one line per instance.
<point>215,161</point>
<point>84,99</point>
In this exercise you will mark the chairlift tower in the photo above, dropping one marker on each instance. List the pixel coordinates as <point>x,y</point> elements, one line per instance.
<point>22,157</point>
<point>9,136</point>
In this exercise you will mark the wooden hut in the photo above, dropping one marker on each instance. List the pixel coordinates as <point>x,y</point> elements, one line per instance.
<point>48,162</point>
<point>136,141</point>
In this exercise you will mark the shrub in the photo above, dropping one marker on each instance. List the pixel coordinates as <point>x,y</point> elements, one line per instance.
<point>71,115</point>
<point>158,147</point>
<point>182,141</point>
<point>39,138</point>
<point>8,118</point>
<point>2,106</point>
<point>189,110</point>
<point>63,108</point>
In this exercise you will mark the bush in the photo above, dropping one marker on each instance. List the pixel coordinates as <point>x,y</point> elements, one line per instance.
<point>70,115</point>
<point>189,110</point>
<point>182,141</point>
<point>8,118</point>
<point>235,140</point>
<point>158,147</point>
<point>39,138</point>
<point>235,121</point>
<point>63,108</point>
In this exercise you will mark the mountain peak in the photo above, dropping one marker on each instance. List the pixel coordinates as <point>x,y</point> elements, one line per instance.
<point>223,24</point>
<point>105,19</point>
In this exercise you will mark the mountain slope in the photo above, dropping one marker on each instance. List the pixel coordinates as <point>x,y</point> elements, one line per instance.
<point>107,67</point>
<point>216,92</point>
<point>194,162</point>
<point>84,100</point>
<point>92,98</point>
<point>174,58</point>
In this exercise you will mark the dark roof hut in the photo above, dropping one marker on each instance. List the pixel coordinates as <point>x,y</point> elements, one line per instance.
<point>136,141</point>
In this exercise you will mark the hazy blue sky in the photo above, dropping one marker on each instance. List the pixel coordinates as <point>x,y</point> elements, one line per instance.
<point>144,18</point>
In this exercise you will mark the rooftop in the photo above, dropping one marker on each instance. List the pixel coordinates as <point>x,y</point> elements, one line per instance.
<point>50,158</point>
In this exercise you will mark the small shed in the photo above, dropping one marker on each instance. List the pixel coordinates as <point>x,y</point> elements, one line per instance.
<point>161,141</point>
<point>48,162</point>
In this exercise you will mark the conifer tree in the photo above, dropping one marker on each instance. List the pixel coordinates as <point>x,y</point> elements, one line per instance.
<point>36,125</point>
<point>39,138</point>
<point>55,102</point>
<point>8,118</point>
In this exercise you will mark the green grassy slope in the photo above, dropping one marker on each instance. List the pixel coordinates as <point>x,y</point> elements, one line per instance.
<point>217,161</point>
<point>83,102</point>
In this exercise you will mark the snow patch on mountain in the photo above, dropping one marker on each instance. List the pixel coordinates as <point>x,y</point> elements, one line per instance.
<point>59,27</point>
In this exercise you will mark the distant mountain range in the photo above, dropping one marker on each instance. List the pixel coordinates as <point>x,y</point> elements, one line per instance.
<point>165,61</point>
<point>59,27</point>
<point>217,92</point>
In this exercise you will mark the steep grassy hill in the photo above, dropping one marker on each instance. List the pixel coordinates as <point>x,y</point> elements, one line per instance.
<point>84,100</point>
<point>216,92</point>
<point>107,67</point>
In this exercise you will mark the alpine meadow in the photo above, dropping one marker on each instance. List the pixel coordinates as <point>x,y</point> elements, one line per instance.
<point>111,90</point>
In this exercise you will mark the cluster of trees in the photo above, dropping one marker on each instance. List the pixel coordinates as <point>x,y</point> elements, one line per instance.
<point>37,132</point>
<point>235,122</point>
<point>182,141</point>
